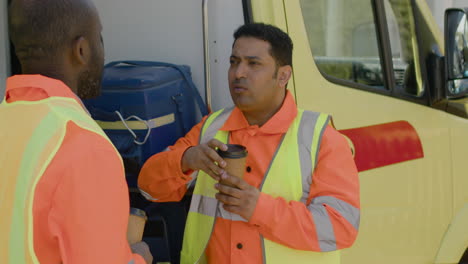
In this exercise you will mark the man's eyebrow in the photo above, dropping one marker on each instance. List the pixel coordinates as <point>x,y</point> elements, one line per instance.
<point>253,57</point>
<point>246,57</point>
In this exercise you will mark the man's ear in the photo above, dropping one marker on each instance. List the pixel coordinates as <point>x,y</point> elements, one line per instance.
<point>284,74</point>
<point>81,51</point>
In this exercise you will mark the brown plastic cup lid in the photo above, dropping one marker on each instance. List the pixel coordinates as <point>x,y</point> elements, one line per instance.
<point>138,212</point>
<point>233,152</point>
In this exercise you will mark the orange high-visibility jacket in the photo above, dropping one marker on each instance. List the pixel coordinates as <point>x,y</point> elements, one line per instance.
<point>79,199</point>
<point>288,223</point>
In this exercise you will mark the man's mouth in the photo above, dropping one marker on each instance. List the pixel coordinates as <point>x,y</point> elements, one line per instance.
<point>239,88</point>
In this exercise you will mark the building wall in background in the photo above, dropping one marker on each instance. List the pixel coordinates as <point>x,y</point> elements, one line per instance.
<point>129,34</point>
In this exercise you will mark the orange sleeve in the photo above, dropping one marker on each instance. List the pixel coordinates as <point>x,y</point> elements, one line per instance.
<point>161,178</point>
<point>90,207</point>
<point>330,219</point>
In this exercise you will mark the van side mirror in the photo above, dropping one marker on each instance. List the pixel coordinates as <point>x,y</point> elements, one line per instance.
<point>456,51</point>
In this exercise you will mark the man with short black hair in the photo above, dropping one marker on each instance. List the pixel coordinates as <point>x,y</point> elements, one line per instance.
<point>64,198</point>
<point>281,45</point>
<point>298,200</point>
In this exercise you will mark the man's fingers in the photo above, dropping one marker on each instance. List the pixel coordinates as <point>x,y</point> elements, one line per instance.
<point>226,199</point>
<point>214,157</point>
<point>213,168</point>
<point>228,190</point>
<point>232,209</point>
<point>214,143</point>
<point>236,181</point>
<point>211,173</point>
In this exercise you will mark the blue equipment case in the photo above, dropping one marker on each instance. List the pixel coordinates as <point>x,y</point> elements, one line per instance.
<point>145,107</point>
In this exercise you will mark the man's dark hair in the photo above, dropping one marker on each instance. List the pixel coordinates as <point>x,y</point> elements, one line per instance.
<point>39,29</point>
<point>281,44</point>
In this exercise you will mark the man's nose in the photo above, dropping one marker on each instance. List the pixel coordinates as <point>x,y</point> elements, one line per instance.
<point>240,71</point>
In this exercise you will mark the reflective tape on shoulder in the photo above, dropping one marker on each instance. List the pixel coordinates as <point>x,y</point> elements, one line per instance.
<point>323,226</point>
<point>213,126</point>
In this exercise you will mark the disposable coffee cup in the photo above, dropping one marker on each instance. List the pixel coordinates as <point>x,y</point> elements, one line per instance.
<point>136,225</point>
<point>235,157</point>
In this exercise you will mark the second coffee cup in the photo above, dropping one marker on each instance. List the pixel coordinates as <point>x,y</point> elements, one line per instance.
<point>235,157</point>
<point>136,225</point>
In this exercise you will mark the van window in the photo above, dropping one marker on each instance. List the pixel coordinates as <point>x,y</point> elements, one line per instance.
<point>343,40</point>
<point>402,35</point>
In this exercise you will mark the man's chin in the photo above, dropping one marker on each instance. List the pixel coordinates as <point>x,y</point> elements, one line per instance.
<point>242,105</point>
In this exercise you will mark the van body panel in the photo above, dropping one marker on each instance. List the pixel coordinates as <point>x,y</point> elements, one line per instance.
<point>409,202</point>
<point>4,48</point>
<point>459,154</point>
<point>455,241</point>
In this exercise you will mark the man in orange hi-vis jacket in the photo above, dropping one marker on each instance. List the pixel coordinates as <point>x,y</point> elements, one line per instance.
<point>63,195</point>
<point>298,201</point>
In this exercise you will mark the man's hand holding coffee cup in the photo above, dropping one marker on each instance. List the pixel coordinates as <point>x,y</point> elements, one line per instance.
<point>204,157</point>
<point>239,199</point>
<point>142,249</point>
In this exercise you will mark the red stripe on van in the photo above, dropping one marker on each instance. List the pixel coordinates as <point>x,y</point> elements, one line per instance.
<point>384,144</point>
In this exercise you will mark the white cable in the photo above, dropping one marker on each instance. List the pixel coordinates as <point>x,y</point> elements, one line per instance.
<point>131,131</point>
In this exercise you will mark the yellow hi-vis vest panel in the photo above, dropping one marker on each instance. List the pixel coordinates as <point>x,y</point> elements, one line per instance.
<point>290,159</point>
<point>31,134</point>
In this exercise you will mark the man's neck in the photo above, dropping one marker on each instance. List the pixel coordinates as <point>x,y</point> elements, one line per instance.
<point>260,118</point>
<point>51,72</point>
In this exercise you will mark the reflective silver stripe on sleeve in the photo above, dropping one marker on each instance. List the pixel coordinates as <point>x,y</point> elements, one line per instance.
<point>304,138</point>
<point>147,196</point>
<point>211,207</point>
<point>131,262</point>
<point>324,227</point>
<point>349,212</point>
<point>216,125</point>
